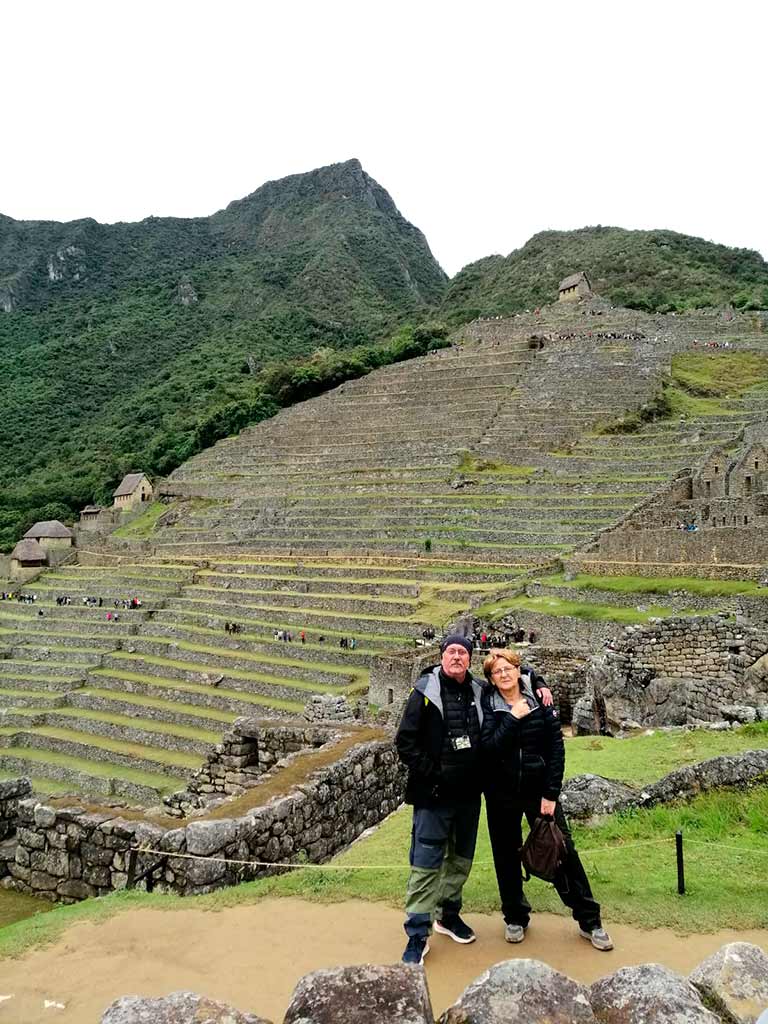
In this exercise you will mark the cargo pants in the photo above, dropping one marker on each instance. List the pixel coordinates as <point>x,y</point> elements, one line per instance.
<point>442,847</point>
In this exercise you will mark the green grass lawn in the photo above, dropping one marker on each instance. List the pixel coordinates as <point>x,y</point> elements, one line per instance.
<point>657,585</point>
<point>544,605</point>
<point>144,525</point>
<point>646,758</point>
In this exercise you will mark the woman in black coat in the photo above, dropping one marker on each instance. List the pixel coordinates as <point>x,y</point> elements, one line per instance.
<point>523,759</point>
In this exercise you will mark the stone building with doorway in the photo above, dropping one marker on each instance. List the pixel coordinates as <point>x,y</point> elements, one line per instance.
<point>574,287</point>
<point>134,489</point>
<point>715,513</point>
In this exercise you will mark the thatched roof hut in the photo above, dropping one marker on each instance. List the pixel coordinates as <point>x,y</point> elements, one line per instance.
<point>29,552</point>
<point>51,529</point>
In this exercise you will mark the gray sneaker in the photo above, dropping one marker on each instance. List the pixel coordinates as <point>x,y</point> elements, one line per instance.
<point>599,938</point>
<point>514,932</point>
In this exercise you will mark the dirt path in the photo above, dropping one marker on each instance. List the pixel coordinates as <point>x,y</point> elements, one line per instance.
<point>252,956</point>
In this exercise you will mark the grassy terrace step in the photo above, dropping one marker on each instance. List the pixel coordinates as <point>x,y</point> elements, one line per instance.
<point>659,585</point>
<point>371,642</point>
<point>209,547</point>
<point>320,586</point>
<point>100,749</point>
<point>495,503</point>
<point>558,607</point>
<point>256,643</point>
<point>171,758</point>
<point>90,627</point>
<point>48,668</point>
<point>123,586</point>
<point>515,525</point>
<point>187,738</point>
<point>402,606</point>
<point>68,655</point>
<point>230,674</point>
<point>133,721</point>
<point>50,639</point>
<point>88,775</point>
<point>225,654</point>
<point>219,697</point>
<point>309,614</point>
<point>381,574</point>
<point>41,784</point>
<point>129,573</point>
<point>30,698</point>
<point>22,682</point>
<point>127,704</point>
<point>415,570</point>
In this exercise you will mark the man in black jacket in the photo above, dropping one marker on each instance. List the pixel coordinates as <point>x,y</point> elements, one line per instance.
<point>438,740</point>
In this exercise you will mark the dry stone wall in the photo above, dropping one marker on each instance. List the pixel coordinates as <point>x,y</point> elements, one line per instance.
<point>244,754</point>
<point>674,672</point>
<point>669,545</point>
<point>11,791</point>
<point>66,854</point>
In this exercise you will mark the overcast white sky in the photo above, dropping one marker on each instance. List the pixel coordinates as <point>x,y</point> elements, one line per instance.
<point>486,122</point>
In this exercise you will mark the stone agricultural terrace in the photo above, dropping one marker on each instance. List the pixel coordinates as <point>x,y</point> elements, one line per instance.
<point>389,505</point>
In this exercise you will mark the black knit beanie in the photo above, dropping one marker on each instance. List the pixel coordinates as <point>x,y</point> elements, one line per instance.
<point>457,638</point>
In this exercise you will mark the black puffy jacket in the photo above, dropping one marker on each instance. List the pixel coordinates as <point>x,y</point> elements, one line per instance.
<point>437,773</point>
<point>522,758</point>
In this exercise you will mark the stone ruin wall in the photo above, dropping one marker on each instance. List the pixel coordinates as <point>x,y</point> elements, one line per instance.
<point>67,854</point>
<point>668,545</point>
<point>677,671</point>
<point>245,753</point>
<point>593,565</point>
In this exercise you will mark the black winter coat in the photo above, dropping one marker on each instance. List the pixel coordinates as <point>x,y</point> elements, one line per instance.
<point>436,774</point>
<point>522,758</point>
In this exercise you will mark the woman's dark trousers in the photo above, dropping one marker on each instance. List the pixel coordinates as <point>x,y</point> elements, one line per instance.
<point>505,827</point>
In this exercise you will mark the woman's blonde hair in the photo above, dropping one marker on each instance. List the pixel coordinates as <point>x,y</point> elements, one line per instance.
<point>499,652</point>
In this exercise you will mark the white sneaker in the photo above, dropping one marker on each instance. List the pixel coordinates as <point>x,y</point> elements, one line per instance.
<point>599,938</point>
<point>514,932</point>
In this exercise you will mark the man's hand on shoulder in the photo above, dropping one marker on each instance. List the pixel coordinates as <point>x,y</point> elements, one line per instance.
<point>545,696</point>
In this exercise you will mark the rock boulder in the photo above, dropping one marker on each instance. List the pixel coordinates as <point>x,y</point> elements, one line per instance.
<point>521,992</point>
<point>734,981</point>
<point>394,994</point>
<point>177,1008</point>
<point>586,795</point>
<point>648,994</point>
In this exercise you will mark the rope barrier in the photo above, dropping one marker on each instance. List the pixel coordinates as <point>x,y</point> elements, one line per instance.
<point>295,866</point>
<point>355,867</point>
<point>726,846</point>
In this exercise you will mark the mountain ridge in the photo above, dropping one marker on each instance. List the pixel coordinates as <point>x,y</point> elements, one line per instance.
<point>130,346</point>
<point>657,271</point>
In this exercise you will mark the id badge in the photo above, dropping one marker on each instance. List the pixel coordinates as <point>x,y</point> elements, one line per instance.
<point>461,742</point>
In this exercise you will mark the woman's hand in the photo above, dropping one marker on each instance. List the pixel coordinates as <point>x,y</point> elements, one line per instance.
<point>520,708</point>
<point>548,808</point>
<point>545,696</point>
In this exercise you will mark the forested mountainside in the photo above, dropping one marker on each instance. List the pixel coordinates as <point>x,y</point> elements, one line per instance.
<point>657,271</point>
<point>134,346</point>
<point>130,346</point>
